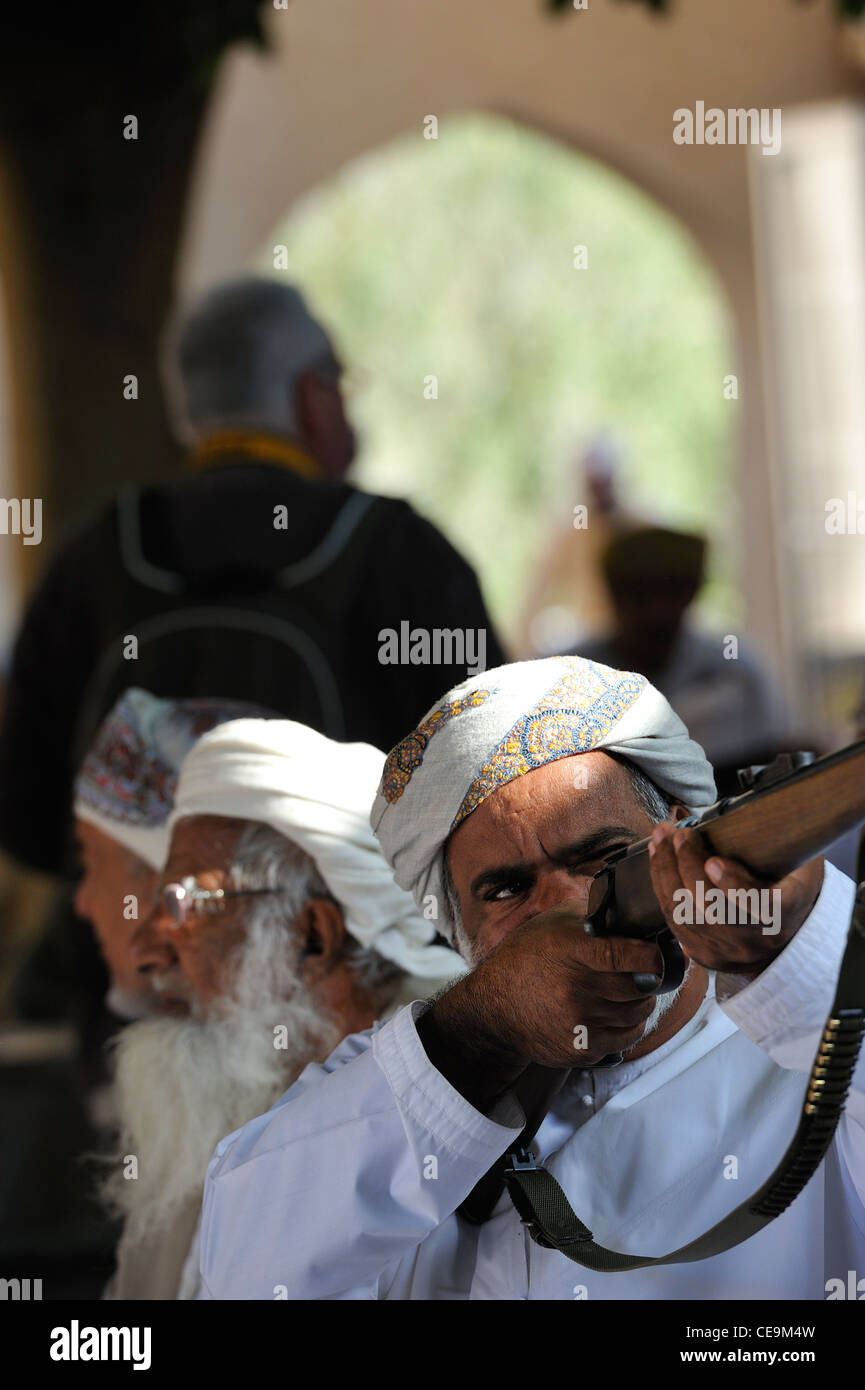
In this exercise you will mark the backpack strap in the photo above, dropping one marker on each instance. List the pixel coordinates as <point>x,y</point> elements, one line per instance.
<point>132,556</point>
<point>332,546</point>
<point>336,541</point>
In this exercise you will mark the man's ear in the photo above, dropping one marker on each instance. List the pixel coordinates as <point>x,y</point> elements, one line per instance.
<point>310,405</point>
<point>321,927</point>
<point>678,811</point>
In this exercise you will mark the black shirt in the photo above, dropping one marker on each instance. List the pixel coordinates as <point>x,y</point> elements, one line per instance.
<point>211,539</point>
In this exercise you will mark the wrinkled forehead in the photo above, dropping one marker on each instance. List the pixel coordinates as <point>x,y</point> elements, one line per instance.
<point>552,805</point>
<point>206,841</point>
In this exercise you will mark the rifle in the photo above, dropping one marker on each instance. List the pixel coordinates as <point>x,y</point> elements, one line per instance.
<point>787,812</point>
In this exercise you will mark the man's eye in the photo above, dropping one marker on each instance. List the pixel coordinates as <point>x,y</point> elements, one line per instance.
<point>513,888</point>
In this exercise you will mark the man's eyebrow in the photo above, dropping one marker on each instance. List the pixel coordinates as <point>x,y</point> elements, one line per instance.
<point>589,845</point>
<point>494,878</point>
<point>584,849</point>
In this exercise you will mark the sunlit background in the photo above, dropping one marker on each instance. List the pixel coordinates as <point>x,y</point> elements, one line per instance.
<point>454,258</point>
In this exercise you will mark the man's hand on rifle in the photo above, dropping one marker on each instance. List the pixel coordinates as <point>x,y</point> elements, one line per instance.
<point>547,994</point>
<point>724,917</point>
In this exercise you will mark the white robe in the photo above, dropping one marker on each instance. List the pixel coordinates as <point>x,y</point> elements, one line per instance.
<point>333,1193</point>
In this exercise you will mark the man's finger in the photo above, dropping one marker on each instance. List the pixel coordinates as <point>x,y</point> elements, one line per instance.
<point>609,994</point>
<point>691,853</point>
<point>729,874</point>
<point>621,955</point>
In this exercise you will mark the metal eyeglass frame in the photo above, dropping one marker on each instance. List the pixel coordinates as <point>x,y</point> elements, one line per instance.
<point>189,898</point>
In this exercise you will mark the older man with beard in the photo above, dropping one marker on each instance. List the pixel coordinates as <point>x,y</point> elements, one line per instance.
<point>277,931</point>
<point>502,806</point>
<point>124,795</point>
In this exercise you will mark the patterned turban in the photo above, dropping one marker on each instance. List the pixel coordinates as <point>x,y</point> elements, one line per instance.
<point>318,794</point>
<point>127,781</point>
<point>503,723</point>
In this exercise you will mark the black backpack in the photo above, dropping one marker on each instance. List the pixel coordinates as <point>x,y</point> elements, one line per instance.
<point>272,636</point>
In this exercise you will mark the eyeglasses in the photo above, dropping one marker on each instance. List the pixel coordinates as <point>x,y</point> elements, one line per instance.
<point>178,901</point>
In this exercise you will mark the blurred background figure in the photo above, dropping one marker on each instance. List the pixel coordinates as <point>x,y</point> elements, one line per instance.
<point>715,684</point>
<point>277,930</point>
<point>261,576</point>
<point>568,601</point>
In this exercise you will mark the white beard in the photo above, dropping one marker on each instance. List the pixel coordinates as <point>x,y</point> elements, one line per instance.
<point>128,1006</point>
<point>662,1004</point>
<point>183,1084</point>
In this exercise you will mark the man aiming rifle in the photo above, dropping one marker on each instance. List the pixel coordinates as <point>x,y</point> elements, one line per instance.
<point>500,809</point>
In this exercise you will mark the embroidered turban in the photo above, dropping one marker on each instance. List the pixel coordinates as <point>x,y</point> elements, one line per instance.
<point>318,794</point>
<point>503,723</point>
<point>127,781</point>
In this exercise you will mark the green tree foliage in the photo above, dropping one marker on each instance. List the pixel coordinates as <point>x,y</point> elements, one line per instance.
<point>454,258</point>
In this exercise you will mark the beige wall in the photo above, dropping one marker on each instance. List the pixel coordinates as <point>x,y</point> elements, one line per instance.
<point>342,78</point>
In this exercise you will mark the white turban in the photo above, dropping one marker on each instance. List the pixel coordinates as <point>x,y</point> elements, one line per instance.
<point>318,794</point>
<point>503,723</point>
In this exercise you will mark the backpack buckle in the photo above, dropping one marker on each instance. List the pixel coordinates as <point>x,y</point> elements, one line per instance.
<point>521,1161</point>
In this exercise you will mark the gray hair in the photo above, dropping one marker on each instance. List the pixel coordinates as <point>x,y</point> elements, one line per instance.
<point>265,859</point>
<point>650,798</point>
<point>233,361</point>
<point>466,949</point>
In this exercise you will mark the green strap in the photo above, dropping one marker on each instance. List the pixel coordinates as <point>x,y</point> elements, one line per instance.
<point>553,1223</point>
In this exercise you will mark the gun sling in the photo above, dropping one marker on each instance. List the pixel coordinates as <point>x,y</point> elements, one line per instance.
<point>552,1222</point>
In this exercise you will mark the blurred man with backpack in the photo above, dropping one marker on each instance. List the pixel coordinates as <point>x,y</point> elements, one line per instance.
<point>262,575</point>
